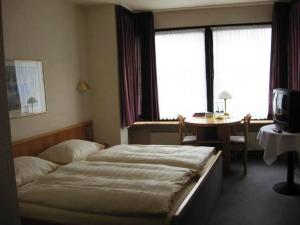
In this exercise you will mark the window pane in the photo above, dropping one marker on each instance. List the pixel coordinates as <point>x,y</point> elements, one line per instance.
<point>241,66</point>
<point>180,60</point>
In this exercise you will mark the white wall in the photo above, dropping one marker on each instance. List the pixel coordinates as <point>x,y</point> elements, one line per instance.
<point>103,73</point>
<point>52,31</point>
<point>213,16</point>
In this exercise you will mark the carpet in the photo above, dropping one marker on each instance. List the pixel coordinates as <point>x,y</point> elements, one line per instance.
<point>250,199</point>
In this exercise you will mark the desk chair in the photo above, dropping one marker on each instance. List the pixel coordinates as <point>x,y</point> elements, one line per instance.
<point>242,141</point>
<point>185,139</point>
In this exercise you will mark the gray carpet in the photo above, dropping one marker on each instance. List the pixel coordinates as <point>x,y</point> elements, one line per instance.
<point>250,200</point>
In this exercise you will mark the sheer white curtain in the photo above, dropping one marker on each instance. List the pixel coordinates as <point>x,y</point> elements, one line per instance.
<point>30,81</point>
<point>180,61</point>
<point>241,66</point>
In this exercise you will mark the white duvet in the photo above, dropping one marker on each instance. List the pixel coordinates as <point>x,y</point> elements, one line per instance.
<point>182,156</point>
<point>109,188</point>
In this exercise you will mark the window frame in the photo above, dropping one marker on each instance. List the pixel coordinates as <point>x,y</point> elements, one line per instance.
<point>209,54</point>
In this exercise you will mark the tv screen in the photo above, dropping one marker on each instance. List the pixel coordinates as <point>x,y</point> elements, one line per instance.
<point>280,106</point>
<point>286,109</point>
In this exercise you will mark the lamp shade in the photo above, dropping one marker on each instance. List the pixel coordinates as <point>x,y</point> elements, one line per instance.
<point>32,100</point>
<point>83,86</point>
<point>225,95</point>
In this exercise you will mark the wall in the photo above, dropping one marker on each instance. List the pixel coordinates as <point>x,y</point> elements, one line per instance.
<point>213,16</point>
<point>52,31</point>
<point>8,193</point>
<point>64,36</point>
<point>103,73</point>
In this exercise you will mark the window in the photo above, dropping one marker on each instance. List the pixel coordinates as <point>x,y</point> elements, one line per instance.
<point>240,65</point>
<point>181,78</point>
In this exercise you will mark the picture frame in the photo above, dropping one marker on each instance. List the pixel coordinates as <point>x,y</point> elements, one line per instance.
<point>25,87</point>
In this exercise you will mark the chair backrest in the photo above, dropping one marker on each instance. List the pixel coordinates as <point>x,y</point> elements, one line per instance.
<point>181,128</point>
<point>247,120</point>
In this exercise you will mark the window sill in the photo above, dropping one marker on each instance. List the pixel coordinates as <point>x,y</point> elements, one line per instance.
<point>162,123</point>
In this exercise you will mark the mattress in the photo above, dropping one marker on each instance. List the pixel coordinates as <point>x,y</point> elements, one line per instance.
<point>193,157</point>
<point>56,215</point>
<point>66,216</point>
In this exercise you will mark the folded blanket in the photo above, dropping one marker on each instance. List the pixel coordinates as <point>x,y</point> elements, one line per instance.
<point>182,156</point>
<point>109,188</point>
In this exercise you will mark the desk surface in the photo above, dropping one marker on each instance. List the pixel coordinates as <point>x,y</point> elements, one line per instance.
<point>205,122</point>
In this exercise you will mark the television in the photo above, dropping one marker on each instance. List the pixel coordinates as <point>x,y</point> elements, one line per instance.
<point>286,110</point>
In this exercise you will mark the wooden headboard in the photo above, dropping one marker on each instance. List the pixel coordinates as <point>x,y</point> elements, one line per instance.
<point>35,145</point>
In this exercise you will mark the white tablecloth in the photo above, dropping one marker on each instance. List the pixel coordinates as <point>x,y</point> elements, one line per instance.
<point>276,144</point>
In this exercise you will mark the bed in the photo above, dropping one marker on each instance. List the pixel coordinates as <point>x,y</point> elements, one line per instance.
<point>192,206</point>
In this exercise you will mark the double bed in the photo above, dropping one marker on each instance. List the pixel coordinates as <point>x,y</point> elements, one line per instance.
<point>156,185</point>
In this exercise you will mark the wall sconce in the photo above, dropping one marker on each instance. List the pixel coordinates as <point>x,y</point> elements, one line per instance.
<point>82,86</point>
<point>225,95</point>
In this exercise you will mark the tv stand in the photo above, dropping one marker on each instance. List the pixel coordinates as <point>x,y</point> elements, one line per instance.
<point>289,187</point>
<point>278,143</point>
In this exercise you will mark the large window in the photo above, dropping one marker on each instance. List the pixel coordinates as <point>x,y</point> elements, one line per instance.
<point>180,61</point>
<point>240,65</point>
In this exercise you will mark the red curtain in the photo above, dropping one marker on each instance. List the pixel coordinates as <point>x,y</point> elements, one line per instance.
<point>285,49</point>
<point>137,67</point>
<point>279,50</point>
<point>150,109</point>
<point>129,69</point>
<point>294,47</point>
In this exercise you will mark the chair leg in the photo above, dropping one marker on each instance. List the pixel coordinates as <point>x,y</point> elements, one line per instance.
<point>245,160</point>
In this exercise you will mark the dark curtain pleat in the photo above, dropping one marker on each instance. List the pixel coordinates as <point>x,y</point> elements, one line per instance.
<point>129,69</point>
<point>294,46</point>
<point>209,63</point>
<point>150,110</point>
<point>279,50</point>
<point>137,66</point>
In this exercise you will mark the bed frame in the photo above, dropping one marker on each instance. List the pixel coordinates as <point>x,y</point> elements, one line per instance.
<point>195,208</point>
<point>36,144</point>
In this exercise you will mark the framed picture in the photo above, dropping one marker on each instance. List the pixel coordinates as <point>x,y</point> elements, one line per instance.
<point>25,87</point>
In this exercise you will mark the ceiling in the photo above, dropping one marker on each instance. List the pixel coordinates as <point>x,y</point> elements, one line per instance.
<point>157,5</point>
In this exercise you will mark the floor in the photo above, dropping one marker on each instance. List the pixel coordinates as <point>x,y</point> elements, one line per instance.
<point>250,199</point>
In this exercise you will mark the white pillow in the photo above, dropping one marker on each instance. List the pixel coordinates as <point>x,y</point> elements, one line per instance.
<point>70,151</point>
<point>29,168</point>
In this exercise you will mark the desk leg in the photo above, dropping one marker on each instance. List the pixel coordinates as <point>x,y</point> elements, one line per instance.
<point>289,187</point>
<point>224,136</point>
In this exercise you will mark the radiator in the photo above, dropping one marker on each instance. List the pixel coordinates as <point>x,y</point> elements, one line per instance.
<point>164,138</point>
<point>172,138</point>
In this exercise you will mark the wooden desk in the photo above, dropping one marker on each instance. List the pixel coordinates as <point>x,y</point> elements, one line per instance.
<point>214,131</point>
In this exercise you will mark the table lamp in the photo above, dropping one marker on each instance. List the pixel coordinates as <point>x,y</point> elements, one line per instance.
<point>225,95</point>
<point>31,101</point>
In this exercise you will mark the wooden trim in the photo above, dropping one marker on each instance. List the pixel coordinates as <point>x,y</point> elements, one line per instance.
<point>36,144</point>
<point>186,211</point>
<point>196,187</point>
<point>145,123</point>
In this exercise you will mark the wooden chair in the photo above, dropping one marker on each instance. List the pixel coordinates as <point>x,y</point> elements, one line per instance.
<point>185,139</point>
<point>242,141</point>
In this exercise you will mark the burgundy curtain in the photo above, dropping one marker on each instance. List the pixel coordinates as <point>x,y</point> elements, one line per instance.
<point>137,67</point>
<point>294,47</point>
<point>146,30</point>
<point>279,50</point>
<point>129,69</point>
